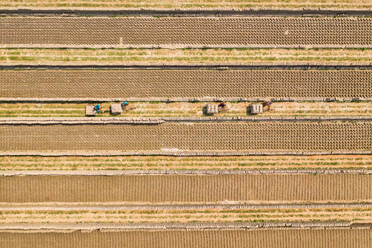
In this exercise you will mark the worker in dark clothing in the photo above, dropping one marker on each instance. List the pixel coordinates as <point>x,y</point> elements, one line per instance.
<point>222,105</point>
<point>267,104</point>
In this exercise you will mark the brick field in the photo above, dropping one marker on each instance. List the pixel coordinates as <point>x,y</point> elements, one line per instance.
<point>306,238</point>
<point>162,174</point>
<point>187,188</point>
<point>187,84</point>
<point>190,137</point>
<point>185,32</point>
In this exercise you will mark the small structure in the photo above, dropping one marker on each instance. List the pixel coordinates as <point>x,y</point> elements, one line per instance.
<point>255,108</point>
<point>210,109</point>
<point>116,109</point>
<point>90,111</point>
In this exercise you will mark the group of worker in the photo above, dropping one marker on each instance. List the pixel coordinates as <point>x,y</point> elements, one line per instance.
<point>97,107</point>
<point>267,104</point>
<point>221,105</point>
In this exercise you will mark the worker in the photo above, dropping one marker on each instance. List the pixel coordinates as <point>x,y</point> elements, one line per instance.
<point>268,104</point>
<point>97,108</point>
<point>124,104</point>
<point>222,105</point>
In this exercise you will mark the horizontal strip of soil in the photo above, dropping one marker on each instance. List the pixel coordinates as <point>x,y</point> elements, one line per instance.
<point>45,58</point>
<point>361,110</point>
<point>175,153</point>
<point>184,32</point>
<point>191,67</point>
<point>104,206</point>
<point>111,120</point>
<point>198,5</point>
<point>68,85</point>
<point>187,188</point>
<point>160,120</point>
<point>185,172</point>
<point>357,238</point>
<point>25,164</point>
<point>185,216</point>
<point>186,12</point>
<point>189,137</point>
<point>107,227</point>
<point>182,99</point>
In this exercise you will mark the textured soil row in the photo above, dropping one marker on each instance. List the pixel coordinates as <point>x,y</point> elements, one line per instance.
<point>186,84</point>
<point>185,32</point>
<point>190,137</point>
<point>280,238</point>
<point>187,188</point>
